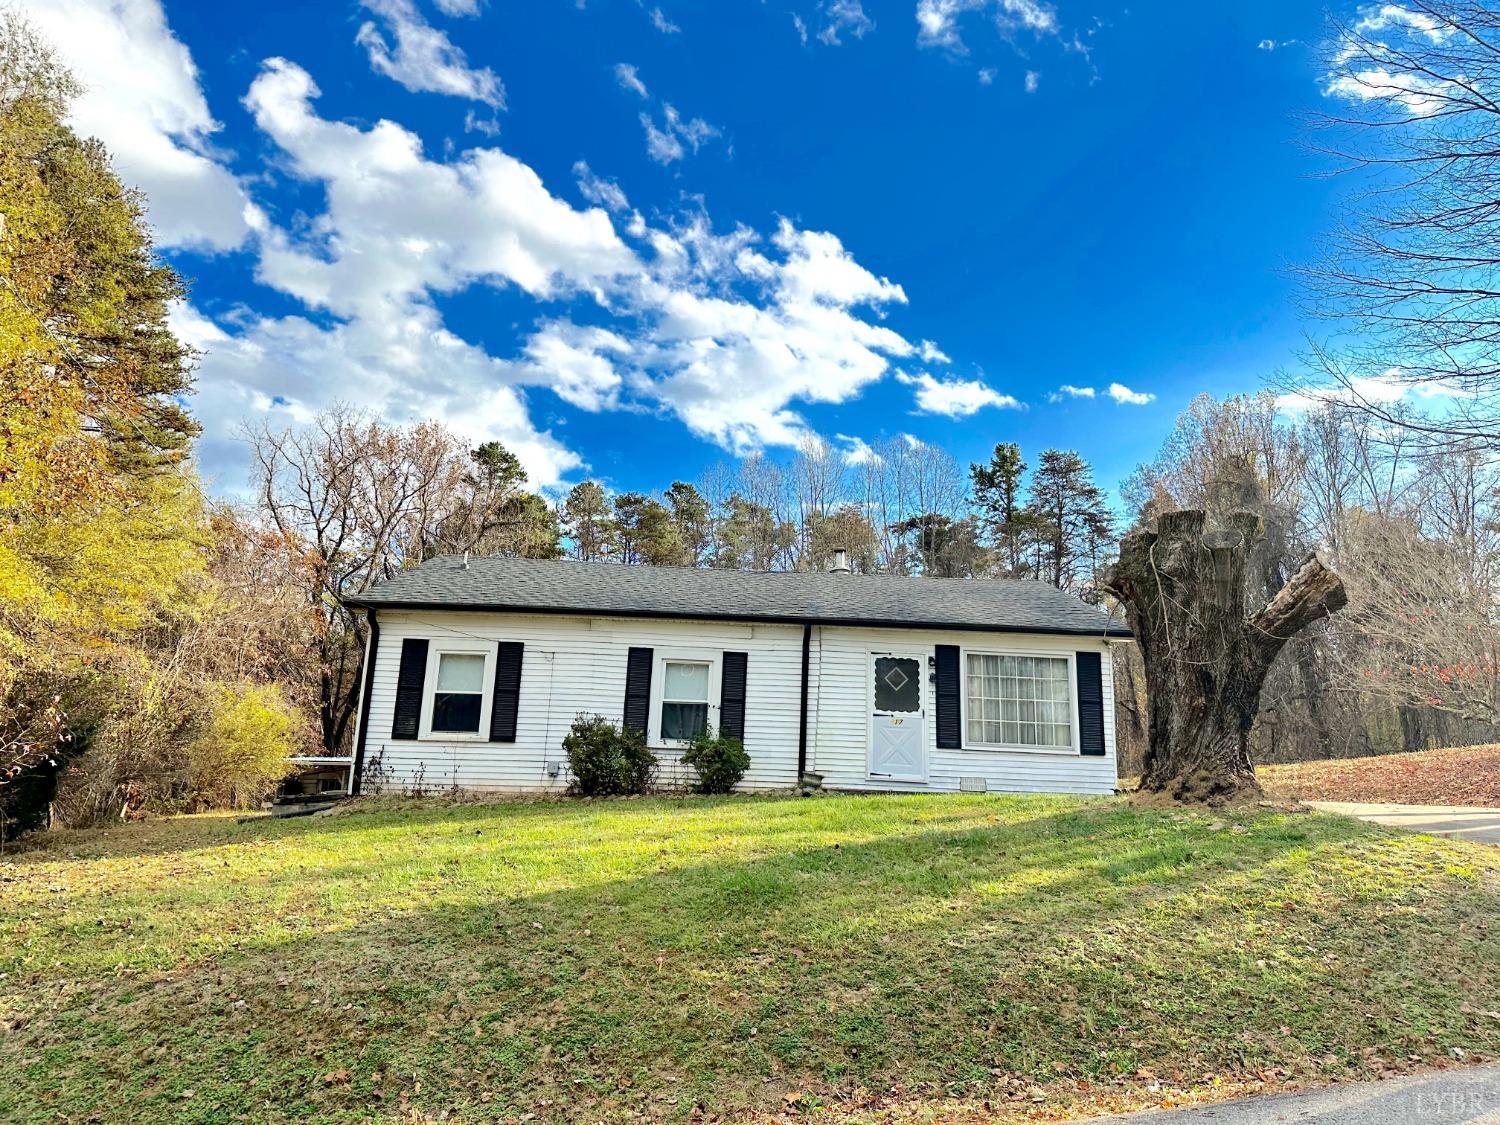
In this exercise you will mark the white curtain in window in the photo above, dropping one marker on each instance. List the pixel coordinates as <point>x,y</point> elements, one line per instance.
<point>460,672</point>
<point>1019,701</point>
<point>686,682</point>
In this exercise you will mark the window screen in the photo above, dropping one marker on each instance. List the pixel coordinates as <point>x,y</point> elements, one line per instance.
<point>898,684</point>
<point>459,695</point>
<point>1019,701</point>
<point>684,700</point>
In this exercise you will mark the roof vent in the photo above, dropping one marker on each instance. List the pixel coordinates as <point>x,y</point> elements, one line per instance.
<point>841,563</point>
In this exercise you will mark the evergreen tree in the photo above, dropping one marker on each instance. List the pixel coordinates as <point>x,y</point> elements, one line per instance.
<point>944,547</point>
<point>752,537</point>
<point>693,522</point>
<point>1072,519</point>
<point>646,533</point>
<point>586,522</point>
<point>1007,523</point>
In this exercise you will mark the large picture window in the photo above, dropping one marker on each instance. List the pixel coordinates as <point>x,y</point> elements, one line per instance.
<point>1021,701</point>
<point>458,695</point>
<point>684,699</point>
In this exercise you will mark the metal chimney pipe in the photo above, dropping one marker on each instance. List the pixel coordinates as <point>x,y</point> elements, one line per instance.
<point>841,562</point>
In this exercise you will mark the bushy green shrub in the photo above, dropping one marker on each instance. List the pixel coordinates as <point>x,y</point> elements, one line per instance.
<point>607,761</point>
<point>719,762</point>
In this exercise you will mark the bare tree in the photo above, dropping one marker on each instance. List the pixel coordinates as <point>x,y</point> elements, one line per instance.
<point>1415,275</point>
<point>1426,628</point>
<point>816,477</point>
<point>358,499</point>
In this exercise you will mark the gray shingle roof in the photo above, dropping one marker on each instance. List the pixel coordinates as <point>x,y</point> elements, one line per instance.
<point>609,589</point>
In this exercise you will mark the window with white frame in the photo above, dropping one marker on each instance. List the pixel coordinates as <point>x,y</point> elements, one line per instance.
<point>684,699</point>
<point>1023,701</point>
<point>458,693</point>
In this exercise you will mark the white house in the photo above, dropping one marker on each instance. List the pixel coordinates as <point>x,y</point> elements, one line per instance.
<point>477,668</point>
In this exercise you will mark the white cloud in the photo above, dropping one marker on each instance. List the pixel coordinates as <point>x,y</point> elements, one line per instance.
<point>1266,45</point>
<point>729,366</point>
<point>662,24</point>
<point>1385,389</point>
<point>843,17</point>
<point>931,353</point>
<point>629,79</point>
<point>1032,81</point>
<point>399,229</point>
<point>1125,396</point>
<point>458,7</point>
<point>1419,96</point>
<point>577,362</point>
<point>406,367</point>
<point>670,142</point>
<point>987,76</point>
<point>1067,390</point>
<point>596,189</point>
<point>424,59</point>
<point>1368,68</point>
<point>729,332</point>
<point>856,450</point>
<point>487,126</point>
<point>801,25</point>
<point>398,223</point>
<point>955,398</point>
<point>938,20</point>
<point>144,102</point>
<point>1386,17</point>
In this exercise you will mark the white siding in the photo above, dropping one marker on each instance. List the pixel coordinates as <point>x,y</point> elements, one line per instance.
<point>840,750</point>
<point>575,665</point>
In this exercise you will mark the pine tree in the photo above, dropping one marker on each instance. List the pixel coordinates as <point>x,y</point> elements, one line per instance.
<point>586,522</point>
<point>646,532</point>
<point>1073,521</point>
<point>692,520</point>
<point>1005,520</point>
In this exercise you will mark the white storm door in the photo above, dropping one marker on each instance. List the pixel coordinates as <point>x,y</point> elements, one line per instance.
<point>898,744</point>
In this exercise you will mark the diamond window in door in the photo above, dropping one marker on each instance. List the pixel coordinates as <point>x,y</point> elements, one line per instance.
<point>898,684</point>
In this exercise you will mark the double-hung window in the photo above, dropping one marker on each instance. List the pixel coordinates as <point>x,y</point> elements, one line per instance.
<point>457,697</point>
<point>684,699</point>
<point>1018,701</point>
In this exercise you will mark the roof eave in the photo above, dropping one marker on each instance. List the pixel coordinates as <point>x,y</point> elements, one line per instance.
<point>1111,630</point>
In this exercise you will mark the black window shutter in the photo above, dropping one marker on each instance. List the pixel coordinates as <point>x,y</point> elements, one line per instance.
<point>949,715</point>
<point>507,699</point>
<point>1090,704</point>
<point>732,695</point>
<point>410,678</point>
<point>637,689</point>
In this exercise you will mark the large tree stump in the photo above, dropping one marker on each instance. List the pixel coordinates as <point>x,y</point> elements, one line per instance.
<point>1206,656</point>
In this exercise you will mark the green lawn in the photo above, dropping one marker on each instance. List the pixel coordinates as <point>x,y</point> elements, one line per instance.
<point>890,957</point>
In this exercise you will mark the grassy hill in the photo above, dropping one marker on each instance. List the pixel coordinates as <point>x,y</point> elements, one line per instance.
<point>1458,775</point>
<point>884,956</point>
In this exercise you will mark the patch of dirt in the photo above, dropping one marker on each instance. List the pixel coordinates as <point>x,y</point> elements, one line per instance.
<point>1457,775</point>
<point>1199,788</point>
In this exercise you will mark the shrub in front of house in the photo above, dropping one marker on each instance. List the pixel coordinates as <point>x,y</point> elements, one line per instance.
<point>719,762</point>
<point>607,761</point>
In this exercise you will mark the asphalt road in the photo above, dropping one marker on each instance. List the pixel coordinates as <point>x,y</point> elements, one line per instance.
<point>1459,821</point>
<point>1445,1097</point>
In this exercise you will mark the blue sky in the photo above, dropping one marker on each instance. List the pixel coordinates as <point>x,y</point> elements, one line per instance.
<point>630,238</point>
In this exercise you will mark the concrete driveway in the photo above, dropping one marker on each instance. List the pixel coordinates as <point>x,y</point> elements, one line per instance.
<point>1448,1097</point>
<point>1459,821</point>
